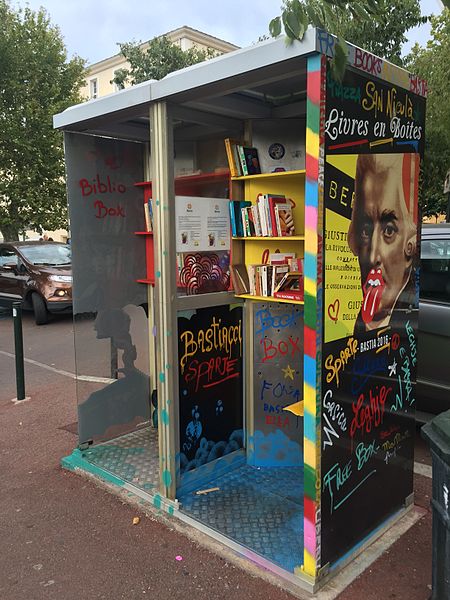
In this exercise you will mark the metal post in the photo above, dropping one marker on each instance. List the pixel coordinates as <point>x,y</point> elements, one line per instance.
<point>18,344</point>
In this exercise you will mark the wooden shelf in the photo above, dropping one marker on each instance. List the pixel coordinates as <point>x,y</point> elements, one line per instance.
<point>268,299</point>
<point>267,175</point>
<point>268,238</point>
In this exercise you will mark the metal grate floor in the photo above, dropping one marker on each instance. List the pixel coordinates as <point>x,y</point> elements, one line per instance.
<point>132,457</point>
<point>260,508</point>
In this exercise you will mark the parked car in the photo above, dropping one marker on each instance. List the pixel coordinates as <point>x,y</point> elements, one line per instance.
<point>39,274</point>
<point>433,372</point>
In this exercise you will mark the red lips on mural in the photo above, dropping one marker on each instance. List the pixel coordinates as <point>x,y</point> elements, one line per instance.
<point>373,291</point>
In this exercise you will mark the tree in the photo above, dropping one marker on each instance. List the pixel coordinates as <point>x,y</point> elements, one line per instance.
<point>157,60</point>
<point>376,25</point>
<point>36,81</point>
<point>433,64</point>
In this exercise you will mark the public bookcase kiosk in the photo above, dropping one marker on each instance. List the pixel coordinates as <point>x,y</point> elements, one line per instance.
<point>280,424</point>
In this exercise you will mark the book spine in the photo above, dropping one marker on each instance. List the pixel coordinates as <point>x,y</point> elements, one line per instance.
<point>256,220</point>
<point>232,218</point>
<point>273,223</point>
<point>242,159</point>
<point>244,225</point>
<point>277,220</point>
<point>237,161</point>
<point>147,218</point>
<point>150,212</point>
<point>289,295</point>
<point>231,163</point>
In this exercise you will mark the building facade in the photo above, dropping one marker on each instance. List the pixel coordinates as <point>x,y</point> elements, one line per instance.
<point>100,75</point>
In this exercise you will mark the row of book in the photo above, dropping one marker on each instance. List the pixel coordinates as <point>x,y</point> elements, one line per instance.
<point>242,159</point>
<point>148,214</point>
<point>281,278</point>
<point>271,216</point>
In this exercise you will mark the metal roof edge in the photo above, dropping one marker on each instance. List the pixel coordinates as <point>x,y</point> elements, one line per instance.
<point>115,102</point>
<point>238,62</point>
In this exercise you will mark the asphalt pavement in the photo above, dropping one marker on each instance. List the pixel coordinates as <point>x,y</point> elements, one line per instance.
<point>66,537</point>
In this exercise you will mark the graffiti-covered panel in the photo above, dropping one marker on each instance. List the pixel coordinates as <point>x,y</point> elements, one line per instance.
<point>110,307</point>
<point>277,385</point>
<point>210,379</point>
<point>373,146</point>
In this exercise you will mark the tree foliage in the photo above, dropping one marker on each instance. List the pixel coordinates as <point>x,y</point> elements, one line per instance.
<point>433,64</point>
<point>157,60</point>
<point>378,26</point>
<point>36,81</point>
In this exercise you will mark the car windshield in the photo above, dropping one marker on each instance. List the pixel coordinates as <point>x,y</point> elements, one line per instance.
<point>47,254</point>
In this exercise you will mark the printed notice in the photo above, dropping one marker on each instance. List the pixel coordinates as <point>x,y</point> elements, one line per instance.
<point>202,224</point>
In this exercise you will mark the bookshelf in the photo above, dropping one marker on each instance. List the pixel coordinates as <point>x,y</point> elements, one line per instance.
<point>253,250</point>
<point>199,184</point>
<point>149,257</point>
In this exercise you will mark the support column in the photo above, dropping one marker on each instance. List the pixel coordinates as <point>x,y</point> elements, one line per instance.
<point>313,310</point>
<point>163,196</point>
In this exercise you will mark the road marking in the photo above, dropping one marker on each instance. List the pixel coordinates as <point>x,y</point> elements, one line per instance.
<point>61,372</point>
<point>421,469</point>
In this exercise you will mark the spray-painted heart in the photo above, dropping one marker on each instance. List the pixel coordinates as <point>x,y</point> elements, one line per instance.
<point>333,310</point>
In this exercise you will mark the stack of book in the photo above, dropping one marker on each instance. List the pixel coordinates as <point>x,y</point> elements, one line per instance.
<point>277,278</point>
<point>148,214</point>
<point>242,159</point>
<point>271,216</point>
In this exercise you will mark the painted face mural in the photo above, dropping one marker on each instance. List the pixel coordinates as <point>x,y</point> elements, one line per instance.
<point>382,231</point>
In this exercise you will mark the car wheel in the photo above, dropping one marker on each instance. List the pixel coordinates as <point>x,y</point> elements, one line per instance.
<point>40,310</point>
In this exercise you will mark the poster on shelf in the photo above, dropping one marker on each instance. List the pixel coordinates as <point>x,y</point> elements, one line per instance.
<point>202,224</point>
<point>374,139</point>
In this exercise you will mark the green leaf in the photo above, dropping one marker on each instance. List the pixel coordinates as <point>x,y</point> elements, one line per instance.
<point>275,27</point>
<point>339,62</point>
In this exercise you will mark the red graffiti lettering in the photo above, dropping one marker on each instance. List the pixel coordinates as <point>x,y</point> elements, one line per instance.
<point>99,186</point>
<point>103,211</point>
<point>368,416</point>
<point>367,62</point>
<point>282,347</point>
<point>277,420</point>
<point>211,372</point>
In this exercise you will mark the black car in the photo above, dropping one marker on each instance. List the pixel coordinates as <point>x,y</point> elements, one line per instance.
<point>433,371</point>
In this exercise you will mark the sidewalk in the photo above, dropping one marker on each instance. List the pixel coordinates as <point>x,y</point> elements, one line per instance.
<point>63,536</point>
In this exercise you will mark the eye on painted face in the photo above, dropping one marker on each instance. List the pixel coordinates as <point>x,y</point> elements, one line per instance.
<point>382,236</point>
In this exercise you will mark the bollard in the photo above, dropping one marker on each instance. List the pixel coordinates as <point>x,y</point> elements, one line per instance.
<point>18,344</point>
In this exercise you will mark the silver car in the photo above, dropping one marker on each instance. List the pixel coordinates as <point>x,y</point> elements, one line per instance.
<point>433,372</point>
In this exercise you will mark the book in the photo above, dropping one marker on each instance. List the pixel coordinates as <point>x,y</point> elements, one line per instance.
<point>273,200</point>
<point>242,159</point>
<point>296,264</point>
<point>279,271</point>
<point>251,160</point>
<point>148,214</point>
<point>231,156</point>
<point>281,258</point>
<point>292,284</point>
<point>239,278</point>
<point>284,219</point>
<point>236,216</point>
<point>256,220</point>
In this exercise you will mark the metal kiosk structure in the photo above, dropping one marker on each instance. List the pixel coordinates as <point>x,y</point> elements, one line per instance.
<point>280,425</point>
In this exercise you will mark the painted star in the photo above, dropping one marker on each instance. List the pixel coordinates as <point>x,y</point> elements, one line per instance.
<point>392,369</point>
<point>288,372</point>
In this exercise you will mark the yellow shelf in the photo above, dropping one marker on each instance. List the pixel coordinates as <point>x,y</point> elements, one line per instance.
<point>268,238</point>
<point>268,299</point>
<point>267,175</point>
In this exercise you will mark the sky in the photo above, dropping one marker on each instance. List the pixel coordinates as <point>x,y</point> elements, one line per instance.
<point>92,28</point>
